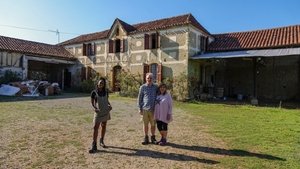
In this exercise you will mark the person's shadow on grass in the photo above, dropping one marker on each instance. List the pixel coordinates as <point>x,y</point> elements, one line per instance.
<point>220,151</point>
<point>154,154</point>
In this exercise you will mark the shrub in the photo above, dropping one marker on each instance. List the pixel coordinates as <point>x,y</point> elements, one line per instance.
<point>129,84</point>
<point>9,76</point>
<point>87,86</point>
<point>180,87</point>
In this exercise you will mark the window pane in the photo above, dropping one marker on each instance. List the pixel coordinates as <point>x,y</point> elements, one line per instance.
<point>118,45</point>
<point>153,70</point>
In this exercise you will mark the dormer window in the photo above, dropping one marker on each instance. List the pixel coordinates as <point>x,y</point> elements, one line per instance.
<point>152,41</point>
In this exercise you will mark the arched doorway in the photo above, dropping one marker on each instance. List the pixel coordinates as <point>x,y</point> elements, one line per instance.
<point>116,83</point>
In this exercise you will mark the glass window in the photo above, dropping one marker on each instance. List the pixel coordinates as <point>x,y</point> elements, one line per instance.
<point>153,70</point>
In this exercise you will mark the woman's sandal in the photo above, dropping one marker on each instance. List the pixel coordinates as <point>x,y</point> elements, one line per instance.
<point>102,143</point>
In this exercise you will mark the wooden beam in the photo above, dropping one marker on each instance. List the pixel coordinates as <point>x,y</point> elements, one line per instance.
<point>50,60</point>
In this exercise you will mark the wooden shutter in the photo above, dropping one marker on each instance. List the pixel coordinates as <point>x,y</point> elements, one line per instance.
<point>95,49</point>
<point>84,50</point>
<point>89,49</point>
<point>146,41</point>
<point>206,43</point>
<point>202,43</point>
<point>92,48</point>
<point>83,73</point>
<point>159,72</point>
<point>156,40</point>
<point>146,70</point>
<point>199,42</point>
<point>111,46</point>
<point>123,45</point>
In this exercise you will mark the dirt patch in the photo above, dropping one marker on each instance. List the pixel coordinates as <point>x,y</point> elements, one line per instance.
<point>57,133</point>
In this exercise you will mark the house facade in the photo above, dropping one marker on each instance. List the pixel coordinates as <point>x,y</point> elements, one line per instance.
<point>162,47</point>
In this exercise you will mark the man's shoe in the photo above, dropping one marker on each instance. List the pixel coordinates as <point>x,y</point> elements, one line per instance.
<point>94,148</point>
<point>153,140</point>
<point>146,140</point>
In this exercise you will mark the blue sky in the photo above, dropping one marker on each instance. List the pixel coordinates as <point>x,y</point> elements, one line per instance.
<point>75,17</point>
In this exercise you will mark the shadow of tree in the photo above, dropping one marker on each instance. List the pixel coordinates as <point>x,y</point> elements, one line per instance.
<point>156,154</point>
<point>220,151</point>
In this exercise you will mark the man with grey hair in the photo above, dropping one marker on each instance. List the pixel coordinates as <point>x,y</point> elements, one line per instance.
<point>146,104</point>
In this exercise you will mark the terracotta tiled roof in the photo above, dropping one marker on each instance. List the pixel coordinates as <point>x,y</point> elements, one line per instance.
<point>33,48</point>
<point>142,27</point>
<point>169,22</point>
<point>260,39</point>
<point>86,38</point>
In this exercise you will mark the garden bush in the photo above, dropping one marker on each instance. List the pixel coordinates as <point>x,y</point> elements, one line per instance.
<point>129,84</point>
<point>9,76</point>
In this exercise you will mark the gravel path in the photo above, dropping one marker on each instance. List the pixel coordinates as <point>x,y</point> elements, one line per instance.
<point>186,149</point>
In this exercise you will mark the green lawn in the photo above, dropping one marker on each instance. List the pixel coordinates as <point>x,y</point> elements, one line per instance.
<point>265,137</point>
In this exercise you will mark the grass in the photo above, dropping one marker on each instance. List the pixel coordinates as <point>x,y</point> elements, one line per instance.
<point>47,130</point>
<point>265,137</point>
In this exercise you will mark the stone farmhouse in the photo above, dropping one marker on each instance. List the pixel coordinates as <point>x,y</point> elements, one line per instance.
<point>261,64</point>
<point>162,47</point>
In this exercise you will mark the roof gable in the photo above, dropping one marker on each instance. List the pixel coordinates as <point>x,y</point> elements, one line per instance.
<point>125,27</point>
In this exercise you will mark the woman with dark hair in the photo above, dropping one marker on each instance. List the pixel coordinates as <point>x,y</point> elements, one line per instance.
<point>99,100</point>
<point>163,112</point>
